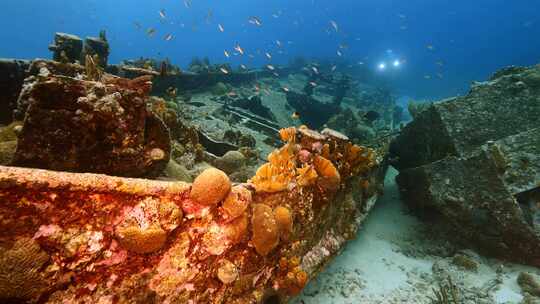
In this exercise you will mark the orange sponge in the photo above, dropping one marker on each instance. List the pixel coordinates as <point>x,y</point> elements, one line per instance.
<point>265,229</point>
<point>210,187</point>
<point>284,221</point>
<point>328,172</point>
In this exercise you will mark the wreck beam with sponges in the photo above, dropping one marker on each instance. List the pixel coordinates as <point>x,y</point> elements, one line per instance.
<point>72,237</point>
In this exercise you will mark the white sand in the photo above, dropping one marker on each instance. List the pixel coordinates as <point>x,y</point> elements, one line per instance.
<point>387,263</point>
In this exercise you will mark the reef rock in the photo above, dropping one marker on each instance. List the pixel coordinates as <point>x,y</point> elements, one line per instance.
<point>91,126</point>
<point>505,105</point>
<point>491,197</point>
<point>475,163</point>
<point>12,75</point>
<point>72,237</point>
<point>230,162</point>
<point>175,171</point>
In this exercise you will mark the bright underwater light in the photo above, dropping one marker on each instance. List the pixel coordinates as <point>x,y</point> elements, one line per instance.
<point>396,63</point>
<point>382,66</point>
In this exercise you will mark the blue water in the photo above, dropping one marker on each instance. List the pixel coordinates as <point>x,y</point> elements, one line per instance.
<point>469,40</point>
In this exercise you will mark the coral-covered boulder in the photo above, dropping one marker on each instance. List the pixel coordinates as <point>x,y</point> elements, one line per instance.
<point>91,126</point>
<point>175,171</point>
<point>230,162</point>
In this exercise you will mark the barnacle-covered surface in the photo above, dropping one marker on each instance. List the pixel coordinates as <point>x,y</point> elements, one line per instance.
<point>102,239</point>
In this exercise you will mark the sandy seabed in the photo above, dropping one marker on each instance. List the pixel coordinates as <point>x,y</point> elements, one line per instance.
<point>394,259</point>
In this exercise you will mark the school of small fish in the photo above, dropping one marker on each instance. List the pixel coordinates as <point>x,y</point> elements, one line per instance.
<point>276,46</point>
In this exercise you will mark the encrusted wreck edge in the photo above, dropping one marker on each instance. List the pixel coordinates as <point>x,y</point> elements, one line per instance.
<point>95,237</point>
<point>331,244</point>
<point>40,178</point>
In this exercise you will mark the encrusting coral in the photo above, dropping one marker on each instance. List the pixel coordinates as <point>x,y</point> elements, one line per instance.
<point>208,242</point>
<point>236,230</point>
<point>317,159</point>
<point>227,272</point>
<point>144,228</point>
<point>284,221</point>
<point>141,240</point>
<point>236,202</point>
<point>288,134</point>
<point>265,229</point>
<point>307,175</point>
<point>301,163</point>
<point>330,177</point>
<point>280,171</point>
<point>291,276</point>
<point>20,271</point>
